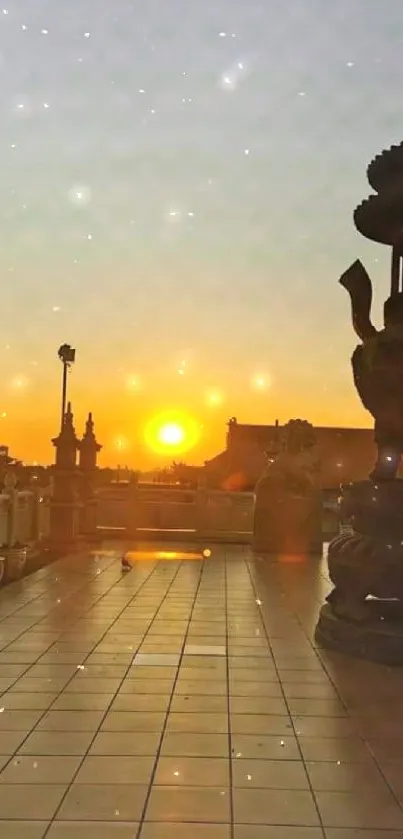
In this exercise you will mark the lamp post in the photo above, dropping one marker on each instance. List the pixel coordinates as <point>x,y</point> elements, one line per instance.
<point>67,356</point>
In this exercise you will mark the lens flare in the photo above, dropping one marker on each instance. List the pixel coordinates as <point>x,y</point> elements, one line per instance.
<point>121,443</point>
<point>261,382</point>
<point>172,432</point>
<point>19,383</point>
<point>214,398</point>
<point>133,384</point>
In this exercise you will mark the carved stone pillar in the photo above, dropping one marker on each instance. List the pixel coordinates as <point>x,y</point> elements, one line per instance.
<point>89,449</point>
<point>65,503</point>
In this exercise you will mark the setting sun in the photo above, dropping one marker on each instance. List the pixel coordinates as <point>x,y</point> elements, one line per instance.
<point>172,432</point>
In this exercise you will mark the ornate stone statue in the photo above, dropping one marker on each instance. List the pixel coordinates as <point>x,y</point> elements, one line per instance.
<point>369,559</point>
<point>287,506</point>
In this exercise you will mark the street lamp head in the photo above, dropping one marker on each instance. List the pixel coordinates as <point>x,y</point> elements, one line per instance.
<point>67,354</point>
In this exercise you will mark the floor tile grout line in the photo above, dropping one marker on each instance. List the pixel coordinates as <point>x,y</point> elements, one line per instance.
<point>269,603</point>
<point>346,708</point>
<point>286,703</point>
<point>39,596</point>
<point>6,589</point>
<point>159,747</point>
<point>36,662</point>
<point>358,733</point>
<point>230,769</point>
<point>313,648</point>
<point>46,711</point>
<point>20,607</point>
<point>46,651</point>
<point>129,603</point>
<point>36,623</point>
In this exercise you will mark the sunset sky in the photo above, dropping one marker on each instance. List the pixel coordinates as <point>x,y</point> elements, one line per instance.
<point>178,183</point>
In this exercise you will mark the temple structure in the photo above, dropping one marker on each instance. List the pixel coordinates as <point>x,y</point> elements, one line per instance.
<point>345,454</point>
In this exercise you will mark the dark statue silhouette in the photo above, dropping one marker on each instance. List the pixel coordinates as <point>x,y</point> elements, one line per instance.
<point>364,613</point>
<point>378,368</point>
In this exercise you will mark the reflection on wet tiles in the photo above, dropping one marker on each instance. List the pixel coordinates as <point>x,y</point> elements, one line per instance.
<point>157,556</point>
<point>129,684</point>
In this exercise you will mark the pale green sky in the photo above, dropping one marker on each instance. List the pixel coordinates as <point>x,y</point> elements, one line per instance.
<point>178,183</point>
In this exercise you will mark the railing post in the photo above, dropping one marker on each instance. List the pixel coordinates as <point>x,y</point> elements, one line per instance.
<point>34,527</point>
<point>12,517</point>
<point>44,514</point>
<point>4,516</point>
<point>201,512</point>
<point>9,490</point>
<point>132,511</point>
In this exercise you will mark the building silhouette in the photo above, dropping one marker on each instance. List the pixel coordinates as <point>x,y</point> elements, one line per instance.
<point>345,454</point>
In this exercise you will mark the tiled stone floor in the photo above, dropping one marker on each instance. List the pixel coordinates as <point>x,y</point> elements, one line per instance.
<point>185,700</point>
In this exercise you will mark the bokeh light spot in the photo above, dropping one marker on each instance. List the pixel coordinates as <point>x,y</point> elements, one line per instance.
<point>214,398</point>
<point>133,384</point>
<point>261,382</point>
<point>121,443</point>
<point>80,196</point>
<point>19,383</point>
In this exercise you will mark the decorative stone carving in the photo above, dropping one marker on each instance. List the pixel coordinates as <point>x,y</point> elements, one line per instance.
<point>367,561</point>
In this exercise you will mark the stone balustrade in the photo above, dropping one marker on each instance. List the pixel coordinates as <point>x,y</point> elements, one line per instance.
<point>24,517</point>
<point>187,513</point>
<point>133,512</point>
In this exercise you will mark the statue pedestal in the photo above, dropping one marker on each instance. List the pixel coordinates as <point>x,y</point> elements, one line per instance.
<point>288,524</point>
<point>364,613</point>
<point>378,639</point>
<point>64,523</point>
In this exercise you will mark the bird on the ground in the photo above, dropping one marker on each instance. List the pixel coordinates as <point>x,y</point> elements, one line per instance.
<point>126,565</point>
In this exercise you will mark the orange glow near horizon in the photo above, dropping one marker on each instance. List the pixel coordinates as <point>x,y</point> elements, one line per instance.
<point>172,432</point>
<point>129,427</point>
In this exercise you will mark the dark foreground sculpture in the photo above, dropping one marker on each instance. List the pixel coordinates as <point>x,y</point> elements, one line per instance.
<point>288,510</point>
<point>367,562</point>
